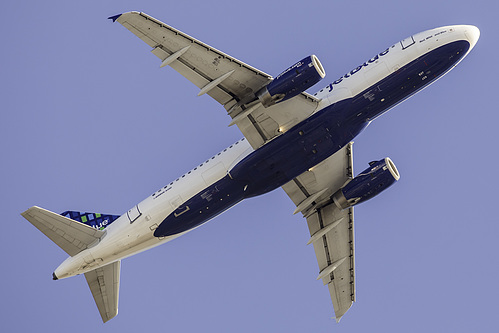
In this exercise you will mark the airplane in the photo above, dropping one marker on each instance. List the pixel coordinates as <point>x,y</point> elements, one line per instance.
<point>292,139</point>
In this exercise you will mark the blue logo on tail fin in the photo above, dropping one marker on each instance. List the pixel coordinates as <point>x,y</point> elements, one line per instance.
<point>94,220</point>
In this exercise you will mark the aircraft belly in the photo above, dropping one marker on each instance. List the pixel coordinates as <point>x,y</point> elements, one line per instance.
<point>300,148</point>
<point>202,207</point>
<point>408,80</point>
<point>310,142</point>
<point>320,136</point>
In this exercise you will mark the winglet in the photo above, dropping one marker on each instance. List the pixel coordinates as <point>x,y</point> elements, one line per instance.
<point>115,17</point>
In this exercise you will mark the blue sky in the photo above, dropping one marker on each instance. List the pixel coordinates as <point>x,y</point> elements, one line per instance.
<point>91,123</point>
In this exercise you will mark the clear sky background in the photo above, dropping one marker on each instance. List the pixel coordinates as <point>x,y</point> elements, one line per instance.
<point>90,122</point>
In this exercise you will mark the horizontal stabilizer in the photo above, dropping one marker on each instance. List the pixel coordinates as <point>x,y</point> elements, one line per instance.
<point>104,283</point>
<point>71,236</point>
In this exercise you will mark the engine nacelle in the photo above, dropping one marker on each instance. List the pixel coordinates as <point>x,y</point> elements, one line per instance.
<point>293,81</point>
<point>378,177</point>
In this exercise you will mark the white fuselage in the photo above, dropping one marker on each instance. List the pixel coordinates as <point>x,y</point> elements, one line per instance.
<point>133,232</point>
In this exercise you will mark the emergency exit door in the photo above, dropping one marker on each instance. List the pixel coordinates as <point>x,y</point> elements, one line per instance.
<point>407,42</point>
<point>133,213</point>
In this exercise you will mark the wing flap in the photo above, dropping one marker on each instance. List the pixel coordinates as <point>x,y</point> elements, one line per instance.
<point>337,245</point>
<point>104,283</point>
<point>201,63</point>
<point>331,229</point>
<point>330,174</point>
<point>71,236</point>
<point>204,66</point>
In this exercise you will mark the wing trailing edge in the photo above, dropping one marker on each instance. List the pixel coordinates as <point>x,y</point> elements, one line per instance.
<point>331,229</point>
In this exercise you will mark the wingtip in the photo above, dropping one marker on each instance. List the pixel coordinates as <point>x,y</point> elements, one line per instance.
<point>114,18</point>
<point>27,211</point>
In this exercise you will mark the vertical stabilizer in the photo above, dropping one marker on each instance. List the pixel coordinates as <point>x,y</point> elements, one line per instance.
<point>94,220</point>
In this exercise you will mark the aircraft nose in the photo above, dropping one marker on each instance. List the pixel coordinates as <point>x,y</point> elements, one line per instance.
<point>473,34</point>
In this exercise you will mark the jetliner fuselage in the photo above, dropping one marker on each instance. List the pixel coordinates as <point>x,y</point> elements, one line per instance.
<point>311,141</point>
<point>347,106</point>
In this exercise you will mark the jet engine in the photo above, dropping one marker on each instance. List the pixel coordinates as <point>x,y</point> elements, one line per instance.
<point>293,81</point>
<point>378,177</point>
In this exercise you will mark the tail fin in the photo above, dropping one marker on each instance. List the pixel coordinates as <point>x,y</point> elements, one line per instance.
<point>94,220</point>
<point>70,235</point>
<point>75,232</point>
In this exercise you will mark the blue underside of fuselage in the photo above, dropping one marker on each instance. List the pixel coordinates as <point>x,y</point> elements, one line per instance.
<point>311,141</point>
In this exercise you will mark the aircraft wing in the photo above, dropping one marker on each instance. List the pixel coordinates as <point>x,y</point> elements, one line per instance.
<point>229,81</point>
<point>104,283</point>
<point>331,229</point>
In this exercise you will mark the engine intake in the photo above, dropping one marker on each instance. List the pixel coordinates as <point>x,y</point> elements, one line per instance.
<point>378,177</point>
<point>293,81</point>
